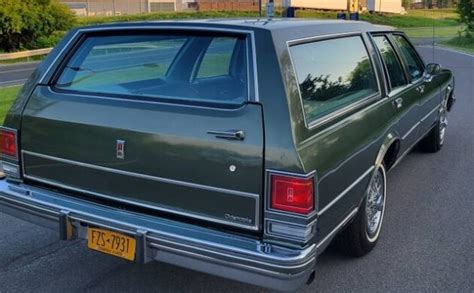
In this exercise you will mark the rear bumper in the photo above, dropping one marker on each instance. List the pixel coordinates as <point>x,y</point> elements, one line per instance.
<point>235,257</point>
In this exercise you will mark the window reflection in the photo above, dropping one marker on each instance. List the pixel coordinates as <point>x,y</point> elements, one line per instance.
<point>394,68</point>
<point>332,74</point>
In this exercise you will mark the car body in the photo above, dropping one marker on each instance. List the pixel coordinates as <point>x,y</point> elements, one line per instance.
<point>224,146</point>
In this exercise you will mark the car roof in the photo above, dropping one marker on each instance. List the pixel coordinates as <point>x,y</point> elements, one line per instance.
<point>276,25</point>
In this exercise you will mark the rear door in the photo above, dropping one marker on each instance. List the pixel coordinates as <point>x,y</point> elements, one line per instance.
<point>159,120</point>
<point>402,95</point>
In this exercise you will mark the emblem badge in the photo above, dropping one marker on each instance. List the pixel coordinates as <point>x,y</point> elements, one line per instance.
<point>120,149</point>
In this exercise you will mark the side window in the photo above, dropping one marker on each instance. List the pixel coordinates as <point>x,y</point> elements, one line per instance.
<point>333,74</point>
<point>413,63</point>
<point>394,68</point>
<point>216,61</point>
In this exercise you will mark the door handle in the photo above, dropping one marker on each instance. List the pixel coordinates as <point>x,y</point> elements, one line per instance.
<point>399,103</point>
<point>421,89</point>
<point>228,134</point>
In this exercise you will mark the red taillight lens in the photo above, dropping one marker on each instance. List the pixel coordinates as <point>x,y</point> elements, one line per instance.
<point>8,143</point>
<point>292,194</point>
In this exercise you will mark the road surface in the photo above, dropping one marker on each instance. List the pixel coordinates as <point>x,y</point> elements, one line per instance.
<point>426,245</point>
<point>16,74</point>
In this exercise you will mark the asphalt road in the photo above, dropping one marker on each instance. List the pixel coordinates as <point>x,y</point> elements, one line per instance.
<point>426,245</point>
<point>16,74</point>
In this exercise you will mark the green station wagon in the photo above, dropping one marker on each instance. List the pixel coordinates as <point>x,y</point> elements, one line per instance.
<point>239,148</point>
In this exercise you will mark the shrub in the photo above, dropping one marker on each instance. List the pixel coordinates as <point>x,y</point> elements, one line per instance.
<point>25,23</point>
<point>466,13</point>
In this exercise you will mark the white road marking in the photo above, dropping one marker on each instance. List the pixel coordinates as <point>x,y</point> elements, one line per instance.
<point>13,81</point>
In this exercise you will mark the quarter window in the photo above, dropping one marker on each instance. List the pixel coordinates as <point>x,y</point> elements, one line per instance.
<point>216,61</point>
<point>392,64</point>
<point>162,66</point>
<point>333,74</point>
<point>415,66</point>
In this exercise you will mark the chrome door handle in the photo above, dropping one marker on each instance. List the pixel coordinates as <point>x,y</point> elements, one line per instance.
<point>228,134</point>
<point>399,103</point>
<point>421,89</point>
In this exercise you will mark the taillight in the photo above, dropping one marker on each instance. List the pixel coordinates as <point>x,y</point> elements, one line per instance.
<point>8,143</point>
<point>292,194</point>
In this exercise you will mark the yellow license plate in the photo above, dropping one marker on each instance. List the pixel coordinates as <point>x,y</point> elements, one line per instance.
<point>111,243</point>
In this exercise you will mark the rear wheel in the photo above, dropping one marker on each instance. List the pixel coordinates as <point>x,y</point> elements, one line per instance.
<point>434,140</point>
<point>362,234</point>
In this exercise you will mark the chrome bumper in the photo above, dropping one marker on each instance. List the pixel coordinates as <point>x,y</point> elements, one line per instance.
<point>230,256</point>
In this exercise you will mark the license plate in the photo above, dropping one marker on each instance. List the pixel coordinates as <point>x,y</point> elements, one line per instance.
<point>112,243</point>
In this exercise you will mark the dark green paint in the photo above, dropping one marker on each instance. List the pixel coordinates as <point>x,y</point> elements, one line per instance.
<point>170,141</point>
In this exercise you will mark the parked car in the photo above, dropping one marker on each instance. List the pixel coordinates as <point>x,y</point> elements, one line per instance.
<point>239,148</point>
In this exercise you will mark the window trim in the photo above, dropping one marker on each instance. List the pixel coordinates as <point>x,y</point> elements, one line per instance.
<point>197,66</point>
<point>339,112</point>
<point>56,66</point>
<point>405,66</point>
<point>390,88</point>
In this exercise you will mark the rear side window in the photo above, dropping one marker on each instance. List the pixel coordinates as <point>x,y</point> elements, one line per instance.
<point>413,63</point>
<point>394,70</point>
<point>333,74</point>
<point>176,67</point>
<point>217,58</point>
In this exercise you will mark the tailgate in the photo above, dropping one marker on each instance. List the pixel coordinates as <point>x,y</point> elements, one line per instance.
<point>103,129</point>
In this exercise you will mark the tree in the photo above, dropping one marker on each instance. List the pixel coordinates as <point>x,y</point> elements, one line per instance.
<point>25,23</point>
<point>466,14</point>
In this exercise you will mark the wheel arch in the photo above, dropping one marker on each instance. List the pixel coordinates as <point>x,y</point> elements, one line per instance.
<point>388,152</point>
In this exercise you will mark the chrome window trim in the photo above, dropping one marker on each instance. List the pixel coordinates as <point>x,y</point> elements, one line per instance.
<point>402,58</point>
<point>345,191</point>
<point>157,102</point>
<point>338,124</point>
<point>252,62</point>
<point>190,214</point>
<point>385,70</point>
<point>348,108</point>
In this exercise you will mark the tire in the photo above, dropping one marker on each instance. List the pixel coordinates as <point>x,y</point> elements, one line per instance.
<point>434,140</point>
<point>360,237</point>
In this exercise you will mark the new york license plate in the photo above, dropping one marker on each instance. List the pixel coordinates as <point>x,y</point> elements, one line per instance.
<point>112,243</point>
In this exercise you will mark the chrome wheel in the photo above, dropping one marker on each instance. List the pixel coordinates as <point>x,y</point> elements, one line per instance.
<point>443,124</point>
<point>375,204</point>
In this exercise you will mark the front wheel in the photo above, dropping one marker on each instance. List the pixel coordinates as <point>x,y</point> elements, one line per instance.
<point>362,234</point>
<point>434,140</point>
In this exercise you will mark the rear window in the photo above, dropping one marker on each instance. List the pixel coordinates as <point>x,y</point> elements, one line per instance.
<point>333,74</point>
<point>180,67</point>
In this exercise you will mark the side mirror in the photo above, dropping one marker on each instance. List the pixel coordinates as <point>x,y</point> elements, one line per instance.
<point>433,68</point>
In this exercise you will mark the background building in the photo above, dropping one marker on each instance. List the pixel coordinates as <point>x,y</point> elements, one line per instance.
<point>123,7</point>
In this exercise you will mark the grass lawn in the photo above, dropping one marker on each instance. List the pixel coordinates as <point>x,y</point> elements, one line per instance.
<point>7,96</point>
<point>428,32</point>
<point>461,43</point>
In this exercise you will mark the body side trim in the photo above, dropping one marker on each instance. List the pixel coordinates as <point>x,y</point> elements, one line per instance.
<point>335,200</point>
<point>255,197</point>
<point>338,227</point>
